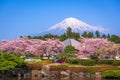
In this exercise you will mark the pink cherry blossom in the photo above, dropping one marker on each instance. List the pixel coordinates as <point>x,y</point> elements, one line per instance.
<point>24,46</point>
<point>88,46</point>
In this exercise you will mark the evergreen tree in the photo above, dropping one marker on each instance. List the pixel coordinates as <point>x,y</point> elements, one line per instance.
<point>104,36</point>
<point>115,38</point>
<point>63,37</point>
<point>97,33</point>
<point>29,36</point>
<point>75,35</point>
<point>90,35</point>
<point>108,36</point>
<point>84,34</point>
<point>21,36</point>
<point>69,51</point>
<point>69,32</point>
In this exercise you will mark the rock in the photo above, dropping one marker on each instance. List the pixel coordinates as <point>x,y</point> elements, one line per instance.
<point>88,75</point>
<point>64,74</point>
<point>74,74</point>
<point>98,75</point>
<point>81,75</point>
<point>46,70</point>
<point>55,73</point>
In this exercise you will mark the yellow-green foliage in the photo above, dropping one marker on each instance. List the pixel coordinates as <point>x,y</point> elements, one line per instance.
<point>111,73</point>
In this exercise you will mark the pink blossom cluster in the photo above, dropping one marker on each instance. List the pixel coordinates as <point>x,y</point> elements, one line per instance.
<point>89,46</point>
<point>24,46</point>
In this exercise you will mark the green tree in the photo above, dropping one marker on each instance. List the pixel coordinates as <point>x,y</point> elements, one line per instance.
<point>63,37</point>
<point>104,36</point>
<point>115,38</point>
<point>69,32</point>
<point>76,36</point>
<point>84,34</point>
<point>97,33</point>
<point>9,61</point>
<point>21,36</point>
<point>69,51</point>
<point>90,35</point>
<point>108,36</point>
<point>29,36</point>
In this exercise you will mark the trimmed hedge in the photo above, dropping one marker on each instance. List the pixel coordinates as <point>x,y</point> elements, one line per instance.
<point>107,62</point>
<point>88,62</point>
<point>85,62</point>
<point>111,73</point>
<point>91,62</point>
<point>73,60</point>
<point>116,63</point>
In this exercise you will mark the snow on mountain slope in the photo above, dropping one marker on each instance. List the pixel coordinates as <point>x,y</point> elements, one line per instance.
<point>75,24</point>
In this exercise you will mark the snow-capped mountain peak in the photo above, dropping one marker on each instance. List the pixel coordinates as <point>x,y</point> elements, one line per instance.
<point>75,24</point>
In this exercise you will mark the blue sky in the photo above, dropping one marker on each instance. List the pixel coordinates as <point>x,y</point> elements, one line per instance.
<point>24,17</point>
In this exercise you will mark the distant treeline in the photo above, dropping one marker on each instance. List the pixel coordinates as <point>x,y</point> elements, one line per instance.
<point>75,35</point>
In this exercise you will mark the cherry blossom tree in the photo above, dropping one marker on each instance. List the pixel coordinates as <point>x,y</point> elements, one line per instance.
<point>109,51</point>
<point>25,46</point>
<point>89,46</point>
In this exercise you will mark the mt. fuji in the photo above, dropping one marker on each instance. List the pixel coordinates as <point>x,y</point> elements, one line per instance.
<point>75,24</point>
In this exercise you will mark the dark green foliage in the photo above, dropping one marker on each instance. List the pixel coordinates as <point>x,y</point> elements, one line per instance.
<point>49,36</point>
<point>9,61</point>
<point>116,63</point>
<point>107,62</point>
<point>108,36</point>
<point>69,32</point>
<point>115,38</point>
<point>43,37</point>
<point>90,35</point>
<point>111,73</point>
<point>29,36</point>
<point>104,36</point>
<point>21,36</point>
<point>69,51</point>
<point>84,34</point>
<point>97,33</point>
<point>63,37</point>
<point>75,35</point>
<point>85,62</point>
<point>73,60</point>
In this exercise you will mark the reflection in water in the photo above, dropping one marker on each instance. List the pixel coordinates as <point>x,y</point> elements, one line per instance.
<point>53,78</point>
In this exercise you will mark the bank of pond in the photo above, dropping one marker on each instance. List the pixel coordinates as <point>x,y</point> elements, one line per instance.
<point>64,71</point>
<point>14,66</point>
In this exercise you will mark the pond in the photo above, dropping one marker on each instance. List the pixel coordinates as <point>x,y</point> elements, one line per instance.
<point>53,78</point>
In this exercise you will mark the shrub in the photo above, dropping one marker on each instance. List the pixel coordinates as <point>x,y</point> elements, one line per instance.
<point>107,62</point>
<point>116,63</point>
<point>111,73</point>
<point>87,62</point>
<point>73,60</point>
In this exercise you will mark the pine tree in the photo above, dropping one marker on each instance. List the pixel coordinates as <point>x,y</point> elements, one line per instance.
<point>97,33</point>
<point>69,32</point>
<point>84,34</point>
<point>90,35</point>
<point>104,36</point>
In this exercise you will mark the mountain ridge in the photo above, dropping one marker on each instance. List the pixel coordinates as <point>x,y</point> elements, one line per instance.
<point>75,24</point>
